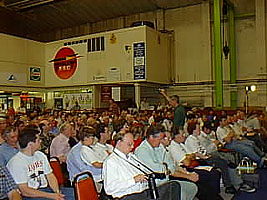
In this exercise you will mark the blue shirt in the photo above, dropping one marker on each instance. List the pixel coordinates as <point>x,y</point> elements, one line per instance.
<point>155,157</point>
<point>75,164</point>
<point>6,152</point>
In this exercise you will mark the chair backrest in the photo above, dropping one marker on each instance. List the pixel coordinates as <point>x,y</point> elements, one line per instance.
<point>55,165</point>
<point>84,187</point>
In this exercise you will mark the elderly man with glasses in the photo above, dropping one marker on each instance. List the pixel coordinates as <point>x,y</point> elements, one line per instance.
<point>155,156</point>
<point>126,178</point>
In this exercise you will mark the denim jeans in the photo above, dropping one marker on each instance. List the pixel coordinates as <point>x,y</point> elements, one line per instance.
<point>68,192</point>
<point>246,148</point>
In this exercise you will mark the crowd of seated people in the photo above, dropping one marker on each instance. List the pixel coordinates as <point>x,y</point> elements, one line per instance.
<point>122,150</point>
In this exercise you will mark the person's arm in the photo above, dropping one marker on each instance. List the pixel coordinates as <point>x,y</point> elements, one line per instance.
<point>190,176</point>
<point>162,91</point>
<point>89,158</point>
<point>52,181</point>
<point>97,164</point>
<point>14,195</point>
<point>31,192</point>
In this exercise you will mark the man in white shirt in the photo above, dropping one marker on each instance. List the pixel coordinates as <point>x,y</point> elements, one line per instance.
<point>32,172</point>
<point>89,156</point>
<point>126,178</point>
<point>167,122</point>
<point>102,149</point>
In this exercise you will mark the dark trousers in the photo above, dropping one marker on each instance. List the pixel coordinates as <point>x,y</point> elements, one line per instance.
<point>223,166</point>
<point>167,191</point>
<point>208,184</point>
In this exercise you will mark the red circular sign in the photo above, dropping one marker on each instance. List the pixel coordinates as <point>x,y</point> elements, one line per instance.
<point>65,63</point>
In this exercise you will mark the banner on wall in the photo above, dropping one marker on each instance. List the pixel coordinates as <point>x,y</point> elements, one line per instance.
<point>65,62</point>
<point>85,100</point>
<point>105,93</point>
<point>139,63</point>
<point>35,73</point>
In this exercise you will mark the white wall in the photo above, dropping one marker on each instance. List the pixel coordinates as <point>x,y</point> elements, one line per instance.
<point>98,63</point>
<point>17,55</point>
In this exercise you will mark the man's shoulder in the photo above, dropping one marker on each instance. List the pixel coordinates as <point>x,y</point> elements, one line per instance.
<point>112,158</point>
<point>18,158</point>
<point>75,149</point>
<point>142,148</point>
<point>220,129</point>
<point>173,144</point>
<point>4,147</point>
<point>59,138</point>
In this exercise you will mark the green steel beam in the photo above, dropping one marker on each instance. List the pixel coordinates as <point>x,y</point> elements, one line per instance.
<point>232,56</point>
<point>218,54</point>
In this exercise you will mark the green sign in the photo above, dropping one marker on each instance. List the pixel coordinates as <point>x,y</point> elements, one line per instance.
<point>35,74</point>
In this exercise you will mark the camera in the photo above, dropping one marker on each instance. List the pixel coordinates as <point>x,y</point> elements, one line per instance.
<point>159,175</point>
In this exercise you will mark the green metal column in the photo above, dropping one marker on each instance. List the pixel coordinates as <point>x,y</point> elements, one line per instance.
<point>218,54</point>
<point>232,47</point>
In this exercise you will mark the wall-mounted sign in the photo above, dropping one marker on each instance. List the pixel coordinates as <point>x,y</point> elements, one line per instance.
<point>139,62</point>
<point>35,74</point>
<point>105,93</point>
<point>113,39</point>
<point>65,62</point>
<point>11,78</point>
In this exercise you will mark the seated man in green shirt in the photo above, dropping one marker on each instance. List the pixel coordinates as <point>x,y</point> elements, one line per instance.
<point>151,153</point>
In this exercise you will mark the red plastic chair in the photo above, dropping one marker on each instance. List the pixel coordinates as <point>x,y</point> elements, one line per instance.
<point>84,187</point>
<point>55,165</point>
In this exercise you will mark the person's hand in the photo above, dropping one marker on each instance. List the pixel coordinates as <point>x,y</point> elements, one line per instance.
<point>62,158</point>
<point>57,196</point>
<point>140,178</point>
<point>216,142</point>
<point>193,177</point>
<point>202,156</point>
<point>162,91</point>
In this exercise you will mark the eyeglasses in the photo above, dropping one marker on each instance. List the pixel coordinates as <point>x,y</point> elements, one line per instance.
<point>167,138</point>
<point>129,144</point>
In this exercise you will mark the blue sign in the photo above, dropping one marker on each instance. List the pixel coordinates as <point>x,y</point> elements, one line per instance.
<point>139,63</point>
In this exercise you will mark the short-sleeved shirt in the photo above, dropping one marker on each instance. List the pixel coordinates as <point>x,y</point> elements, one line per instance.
<point>89,156</point>
<point>75,164</point>
<point>30,169</point>
<point>7,183</point>
<point>179,116</point>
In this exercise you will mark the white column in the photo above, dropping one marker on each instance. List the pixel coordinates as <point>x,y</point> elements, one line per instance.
<point>96,89</point>
<point>261,49</point>
<point>137,94</point>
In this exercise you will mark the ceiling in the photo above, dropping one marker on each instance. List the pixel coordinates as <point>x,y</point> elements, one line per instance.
<point>38,16</point>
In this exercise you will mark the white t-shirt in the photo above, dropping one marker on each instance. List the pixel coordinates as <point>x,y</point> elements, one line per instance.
<point>221,134</point>
<point>30,169</point>
<point>193,145</point>
<point>177,151</point>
